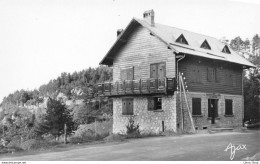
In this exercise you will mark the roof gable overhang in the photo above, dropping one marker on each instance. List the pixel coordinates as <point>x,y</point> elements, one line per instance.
<point>177,48</point>
<point>121,40</point>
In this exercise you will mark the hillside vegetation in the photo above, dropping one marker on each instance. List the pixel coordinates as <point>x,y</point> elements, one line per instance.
<point>70,103</point>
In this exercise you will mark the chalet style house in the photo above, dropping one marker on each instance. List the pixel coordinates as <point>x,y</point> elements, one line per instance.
<point>169,79</point>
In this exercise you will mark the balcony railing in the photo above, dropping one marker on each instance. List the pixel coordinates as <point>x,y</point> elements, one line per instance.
<point>135,87</point>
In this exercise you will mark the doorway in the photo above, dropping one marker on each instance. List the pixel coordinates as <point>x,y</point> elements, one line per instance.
<point>212,109</point>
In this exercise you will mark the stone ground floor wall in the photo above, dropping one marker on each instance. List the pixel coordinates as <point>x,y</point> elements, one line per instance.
<point>149,121</point>
<point>203,121</point>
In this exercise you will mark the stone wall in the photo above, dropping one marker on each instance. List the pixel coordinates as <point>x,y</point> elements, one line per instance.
<point>149,121</point>
<point>203,120</point>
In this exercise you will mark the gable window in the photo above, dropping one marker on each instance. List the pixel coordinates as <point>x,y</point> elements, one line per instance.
<point>195,74</point>
<point>127,74</point>
<point>154,103</point>
<point>226,50</point>
<point>228,107</point>
<point>127,106</point>
<point>181,39</point>
<point>205,45</point>
<point>196,106</point>
<point>158,70</point>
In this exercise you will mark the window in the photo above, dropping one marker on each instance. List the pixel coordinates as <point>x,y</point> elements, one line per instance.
<point>213,74</point>
<point>228,78</point>
<point>155,103</point>
<point>205,45</point>
<point>181,39</point>
<point>158,70</point>
<point>196,106</point>
<point>127,74</point>
<point>195,74</point>
<point>218,75</point>
<point>226,50</point>
<point>228,107</point>
<point>127,106</point>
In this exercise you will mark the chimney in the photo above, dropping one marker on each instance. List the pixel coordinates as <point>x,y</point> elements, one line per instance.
<point>119,31</point>
<point>149,17</point>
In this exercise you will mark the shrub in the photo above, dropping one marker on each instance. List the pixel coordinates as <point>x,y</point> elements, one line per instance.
<point>75,140</point>
<point>34,144</point>
<point>99,127</point>
<point>114,138</point>
<point>132,130</point>
<point>86,133</point>
<point>15,142</point>
<point>169,133</point>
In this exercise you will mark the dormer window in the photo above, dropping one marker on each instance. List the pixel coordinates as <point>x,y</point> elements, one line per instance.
<point>226,50</point>
<point>205,45</point>
<point>181,39</point>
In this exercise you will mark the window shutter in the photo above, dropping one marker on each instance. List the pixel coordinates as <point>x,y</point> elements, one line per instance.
<point>193,74</point>
<point>209,71</point>
<point>123,74</point>
<point>130,73</point>
<point>129,106</point>
<point>208,74</point>
<point>228,106</point>
<point>161,70</point>
<point>230,79</point>
<point>150,103</point>
<point>124,110</point>
<point>198,74</point>
<point>196,106</point>
<point>218,75</point>
<point>153,71</point>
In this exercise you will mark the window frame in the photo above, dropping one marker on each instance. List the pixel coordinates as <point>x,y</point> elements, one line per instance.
<point>125,109</point>
<point>205,45</point>
<point>155,103</point>
<point>125,74</point>
<point>213,74</point>
<point>226,50</point>
<point>231,105</point>
<point>156,67</point>
<point>198,99</point>
<point>196,74</point>
<point>182,40</point>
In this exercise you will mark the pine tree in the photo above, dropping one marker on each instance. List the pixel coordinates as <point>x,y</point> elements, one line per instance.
<point>57,115</point>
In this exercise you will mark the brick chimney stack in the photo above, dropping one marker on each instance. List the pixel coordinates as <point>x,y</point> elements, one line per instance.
<point>119,31</point>
<point>149,17</point>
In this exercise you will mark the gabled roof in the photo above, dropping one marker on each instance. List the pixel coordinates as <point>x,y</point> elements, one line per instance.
<point>169,35</point>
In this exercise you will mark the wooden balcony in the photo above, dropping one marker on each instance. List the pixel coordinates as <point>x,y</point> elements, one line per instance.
<point>138,87</point>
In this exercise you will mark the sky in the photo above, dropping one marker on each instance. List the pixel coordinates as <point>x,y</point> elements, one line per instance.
<point>40,39</point>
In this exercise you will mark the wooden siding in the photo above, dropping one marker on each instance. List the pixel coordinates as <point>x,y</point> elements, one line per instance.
<point>141,50</point>
<point>220,85</point>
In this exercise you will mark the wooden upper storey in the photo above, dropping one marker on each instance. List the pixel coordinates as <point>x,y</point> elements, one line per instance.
<point>146,49</point>
<point>141,52</point>
<point>211,76</point>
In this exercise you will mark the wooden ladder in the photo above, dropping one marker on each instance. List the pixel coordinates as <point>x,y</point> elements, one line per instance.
<point>182,88</point>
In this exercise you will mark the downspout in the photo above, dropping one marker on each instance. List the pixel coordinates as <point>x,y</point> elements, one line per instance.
<point>243,101</point>
<point>177,67</point>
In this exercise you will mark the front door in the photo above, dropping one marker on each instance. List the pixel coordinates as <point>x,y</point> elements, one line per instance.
<point>212,109</point>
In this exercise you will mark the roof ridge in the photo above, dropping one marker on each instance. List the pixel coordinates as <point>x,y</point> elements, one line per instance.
<point>183,30</point>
